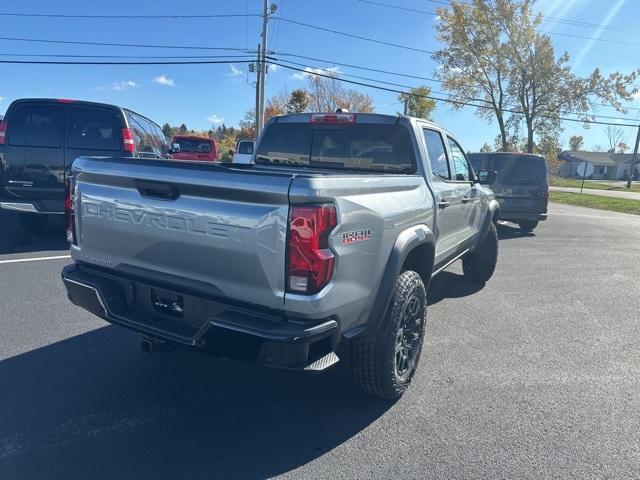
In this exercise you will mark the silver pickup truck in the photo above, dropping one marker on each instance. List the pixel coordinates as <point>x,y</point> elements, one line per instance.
<point>323,247</point>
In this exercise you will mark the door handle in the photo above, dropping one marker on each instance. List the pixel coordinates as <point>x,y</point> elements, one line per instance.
<point>444,204</point>
<point>466,199</point>
<point>165,191</point>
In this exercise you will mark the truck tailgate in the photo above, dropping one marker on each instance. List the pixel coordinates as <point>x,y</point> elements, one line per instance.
<point>224,229</point>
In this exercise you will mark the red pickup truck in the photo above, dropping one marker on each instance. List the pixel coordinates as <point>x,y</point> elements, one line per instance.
<point>194,148</point>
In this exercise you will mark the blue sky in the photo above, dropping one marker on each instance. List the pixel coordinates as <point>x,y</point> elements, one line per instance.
<point>205,95</point>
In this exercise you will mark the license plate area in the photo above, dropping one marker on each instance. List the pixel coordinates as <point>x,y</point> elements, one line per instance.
<point>167,303</point>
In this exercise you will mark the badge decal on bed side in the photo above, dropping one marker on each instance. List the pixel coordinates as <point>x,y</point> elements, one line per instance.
<point>356,236</point>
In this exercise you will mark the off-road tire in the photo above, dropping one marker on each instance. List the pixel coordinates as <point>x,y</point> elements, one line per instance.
<point>528,226</point>
<point>32,222</point>
<point>375,358</point>
<point>479,265</point>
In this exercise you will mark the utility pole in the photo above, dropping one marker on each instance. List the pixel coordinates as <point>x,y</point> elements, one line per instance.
<point>634,160</point>
<point>261,66</point>
<point>256,68</point>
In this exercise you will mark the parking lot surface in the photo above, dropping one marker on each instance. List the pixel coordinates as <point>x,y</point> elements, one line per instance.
<point>535,375</point>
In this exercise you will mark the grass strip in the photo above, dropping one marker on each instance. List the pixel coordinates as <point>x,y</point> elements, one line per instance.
<point>613,204</point>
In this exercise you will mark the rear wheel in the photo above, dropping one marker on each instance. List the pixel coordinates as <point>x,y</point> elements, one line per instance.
<point>479,265</point>
<point>383,364</point>
<point>32,222</point>
<point>528,226</point>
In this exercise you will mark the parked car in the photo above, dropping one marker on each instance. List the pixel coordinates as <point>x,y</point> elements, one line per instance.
<point>327,245</point>
<point>521,186</point>
<point>194,148</point>
<point>244,151</point>
<point>40,138</point>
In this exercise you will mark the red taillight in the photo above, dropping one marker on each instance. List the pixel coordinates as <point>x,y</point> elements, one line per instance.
<point>69,211</point>
<point>310,260</point>
<point>3,131</point>
<point>338,118</point>
<point>127,140</point>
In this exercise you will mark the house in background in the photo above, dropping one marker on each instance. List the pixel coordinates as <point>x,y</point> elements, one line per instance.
<point>606,165</point>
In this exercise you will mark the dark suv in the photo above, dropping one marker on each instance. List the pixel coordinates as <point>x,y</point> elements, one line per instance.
<point>40,139</point>
<point>521,186</point>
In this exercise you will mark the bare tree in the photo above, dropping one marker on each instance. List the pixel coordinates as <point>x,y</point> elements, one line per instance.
<point>326,94</point>
<point>615,136</point>
<point>623,147</point>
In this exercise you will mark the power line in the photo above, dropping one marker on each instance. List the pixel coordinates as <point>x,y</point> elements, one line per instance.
<point>136,17</point>
<point>351,35</point>
<point>436,92</point>
<point>349,65</point>
<point>397,7</point>
<point>544,19</point>
<point>447,100</point>
<point>565,21</point>
<point>387,72</point>
<point>131,45</point>
<point>355,76</point>
<point>153,62</point>
<point>597,39</point>
<point>59,55</point>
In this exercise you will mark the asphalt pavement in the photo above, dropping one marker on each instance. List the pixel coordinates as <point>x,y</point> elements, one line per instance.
<point>535,375</point>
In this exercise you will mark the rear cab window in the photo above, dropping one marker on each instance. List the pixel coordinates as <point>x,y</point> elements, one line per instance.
<point>93,128</point>
<point>194,145</point>
<point>478,161</point>
<point>520,169</point>
<point>245,147</point>
<point>34,125</point>
<point>147,136</point>
<point>385,148</point>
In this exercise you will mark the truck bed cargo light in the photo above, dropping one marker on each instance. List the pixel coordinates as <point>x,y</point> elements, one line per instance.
<point>335,118</point>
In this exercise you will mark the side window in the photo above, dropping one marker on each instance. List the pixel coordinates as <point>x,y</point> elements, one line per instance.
<point>437,154</point>
<point>93,129</point>
<point>245,148</point>
<point>460,164</point>
<point>145,137</point>
<point>35,126</point>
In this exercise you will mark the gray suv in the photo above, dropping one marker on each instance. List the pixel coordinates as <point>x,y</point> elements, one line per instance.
<point>521,185</point>
<point>325,246</point>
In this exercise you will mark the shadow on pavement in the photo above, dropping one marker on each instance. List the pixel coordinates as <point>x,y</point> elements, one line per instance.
<point>93,406</point>
<point>507,231</point>
<point>14,239</point>
<point>450,285</point>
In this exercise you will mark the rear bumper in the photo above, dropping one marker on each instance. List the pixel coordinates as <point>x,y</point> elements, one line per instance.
<point>43,207</point>
<point>522,216</point>
<point>282,343</point>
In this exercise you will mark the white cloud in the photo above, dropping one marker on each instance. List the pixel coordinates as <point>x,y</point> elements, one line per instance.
<point>120,85</point>
<point>215,119</point>
<point>309,71</point>
<point>234,74</point>
<point>164,80</point>
<point>1,98</point>
<point>636,96</point>
<point>273,68</point>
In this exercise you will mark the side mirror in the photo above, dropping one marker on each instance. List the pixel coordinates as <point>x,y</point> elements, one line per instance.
<point>232,152</point>
<point>486,177</point>
<point>175,148</point>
